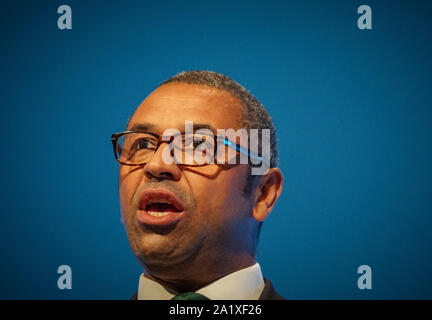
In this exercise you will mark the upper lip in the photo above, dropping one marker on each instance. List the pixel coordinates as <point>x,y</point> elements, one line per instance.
<point>159,194</point>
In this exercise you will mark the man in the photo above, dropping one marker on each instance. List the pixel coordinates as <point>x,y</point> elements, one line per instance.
<point>195,227</point>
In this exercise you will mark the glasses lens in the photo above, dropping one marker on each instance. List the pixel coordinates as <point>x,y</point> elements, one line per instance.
<point>185,149</point>
<point>136,148</point>
<point>197,149</point>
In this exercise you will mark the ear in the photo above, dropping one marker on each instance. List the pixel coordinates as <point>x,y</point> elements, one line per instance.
<point>268,191</point>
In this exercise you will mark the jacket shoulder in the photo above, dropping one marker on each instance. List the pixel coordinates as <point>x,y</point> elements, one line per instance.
<point>269,293</point>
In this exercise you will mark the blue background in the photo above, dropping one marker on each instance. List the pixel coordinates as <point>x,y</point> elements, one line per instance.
<point>352,108</point>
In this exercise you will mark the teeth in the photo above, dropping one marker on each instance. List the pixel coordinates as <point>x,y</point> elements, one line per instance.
<point>158,214</point>
<point>158,201</point>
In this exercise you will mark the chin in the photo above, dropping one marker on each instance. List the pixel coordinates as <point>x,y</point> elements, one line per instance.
<point>157,253</point>
<point>151,252</point>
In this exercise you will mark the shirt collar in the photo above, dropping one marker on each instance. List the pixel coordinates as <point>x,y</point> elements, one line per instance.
<point>244,284</point>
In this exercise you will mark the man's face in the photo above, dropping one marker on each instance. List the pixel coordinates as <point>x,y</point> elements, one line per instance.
<point>216,216</point>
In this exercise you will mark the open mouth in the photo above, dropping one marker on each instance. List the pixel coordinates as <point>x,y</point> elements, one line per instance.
<point>159,207</point>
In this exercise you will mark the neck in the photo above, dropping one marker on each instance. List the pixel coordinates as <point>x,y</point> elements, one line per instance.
<point>187,277</point>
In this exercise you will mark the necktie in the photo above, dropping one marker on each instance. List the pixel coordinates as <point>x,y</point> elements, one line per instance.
<point>190,296</point>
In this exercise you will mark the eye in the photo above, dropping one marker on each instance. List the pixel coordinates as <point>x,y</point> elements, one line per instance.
<point>197,141</point>
<point>144,143</point>
<point>194,142</point>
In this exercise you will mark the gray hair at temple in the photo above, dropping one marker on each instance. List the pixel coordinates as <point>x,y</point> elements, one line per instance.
<point>254,115</point>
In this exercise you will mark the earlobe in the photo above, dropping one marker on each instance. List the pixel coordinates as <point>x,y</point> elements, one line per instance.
<point>260,211</point>
<point>268,192</point>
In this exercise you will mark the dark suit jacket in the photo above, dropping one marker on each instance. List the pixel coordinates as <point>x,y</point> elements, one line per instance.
<point>269,293</point>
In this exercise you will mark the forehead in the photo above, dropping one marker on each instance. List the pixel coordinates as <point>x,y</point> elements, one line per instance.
<point>170,105</point>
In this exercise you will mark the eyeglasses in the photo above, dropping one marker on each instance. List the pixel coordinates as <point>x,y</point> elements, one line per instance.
<point>135,148</point>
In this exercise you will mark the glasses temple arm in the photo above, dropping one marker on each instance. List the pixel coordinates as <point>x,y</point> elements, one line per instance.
<point>244,151</point>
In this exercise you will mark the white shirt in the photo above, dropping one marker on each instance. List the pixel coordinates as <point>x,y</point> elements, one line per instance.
<point>244,284</point>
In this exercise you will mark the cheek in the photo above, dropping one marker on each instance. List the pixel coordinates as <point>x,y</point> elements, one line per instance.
<point>236,205</point>
<point>221,200</point>
<point>128,184</point>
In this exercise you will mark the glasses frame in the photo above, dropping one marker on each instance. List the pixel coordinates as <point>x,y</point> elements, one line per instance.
<point>228,143</point>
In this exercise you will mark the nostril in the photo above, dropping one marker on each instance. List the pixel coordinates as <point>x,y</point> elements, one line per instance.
<point>166,174</point>
<point>161,174</point>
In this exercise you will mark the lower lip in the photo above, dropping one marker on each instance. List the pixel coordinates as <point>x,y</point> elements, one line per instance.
<point>171,218</point>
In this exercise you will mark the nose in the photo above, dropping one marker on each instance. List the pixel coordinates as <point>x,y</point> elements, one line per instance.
<point>160,169</point>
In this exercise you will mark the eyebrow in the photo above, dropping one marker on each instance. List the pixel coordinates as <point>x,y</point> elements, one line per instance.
<point>150,127</point>
<point>198,126</point>
<point>142,127</point>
